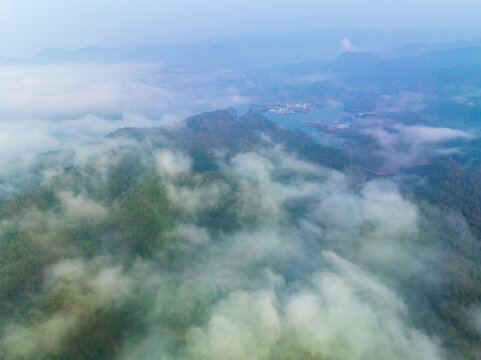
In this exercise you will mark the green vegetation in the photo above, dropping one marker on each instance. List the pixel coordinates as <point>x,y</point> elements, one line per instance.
<point>449,186</point>
<point>205,241</point>
<point>145,216</point>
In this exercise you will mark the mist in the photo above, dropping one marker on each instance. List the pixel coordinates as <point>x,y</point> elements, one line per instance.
<point>298,265</point>
<point>62,106</point>
<point>225,180</point>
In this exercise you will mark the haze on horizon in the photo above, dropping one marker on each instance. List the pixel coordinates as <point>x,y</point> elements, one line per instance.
<point>27,26</point>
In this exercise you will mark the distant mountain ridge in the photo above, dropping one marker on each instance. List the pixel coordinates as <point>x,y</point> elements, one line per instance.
<point>367,68</point>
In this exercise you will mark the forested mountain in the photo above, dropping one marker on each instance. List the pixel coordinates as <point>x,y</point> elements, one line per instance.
<point>189,241</point>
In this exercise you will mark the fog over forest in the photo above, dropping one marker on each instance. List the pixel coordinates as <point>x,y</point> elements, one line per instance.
<point>188,192</point>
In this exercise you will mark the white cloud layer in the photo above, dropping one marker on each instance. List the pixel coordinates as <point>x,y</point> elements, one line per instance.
<point>52,107</point>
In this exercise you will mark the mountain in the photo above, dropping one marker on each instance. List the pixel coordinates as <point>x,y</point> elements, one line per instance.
<point>141,244</point>
<point>351,63</point>
<point>223,129</point>
<point>364,68</point>
<point>420,48</point>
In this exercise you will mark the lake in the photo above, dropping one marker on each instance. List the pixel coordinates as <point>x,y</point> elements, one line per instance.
<point>327,114</point>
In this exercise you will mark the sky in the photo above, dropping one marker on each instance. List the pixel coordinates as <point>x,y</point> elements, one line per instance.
<point>28,26</point>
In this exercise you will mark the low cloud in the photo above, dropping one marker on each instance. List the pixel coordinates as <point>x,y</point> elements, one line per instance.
<point>419,134</point>
<point>70,91</point>
<point>58,107</point>
<point>240,274</point>
<point>391,146</point>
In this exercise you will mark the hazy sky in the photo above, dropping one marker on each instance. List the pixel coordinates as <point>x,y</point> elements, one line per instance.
<point>27,26</point>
